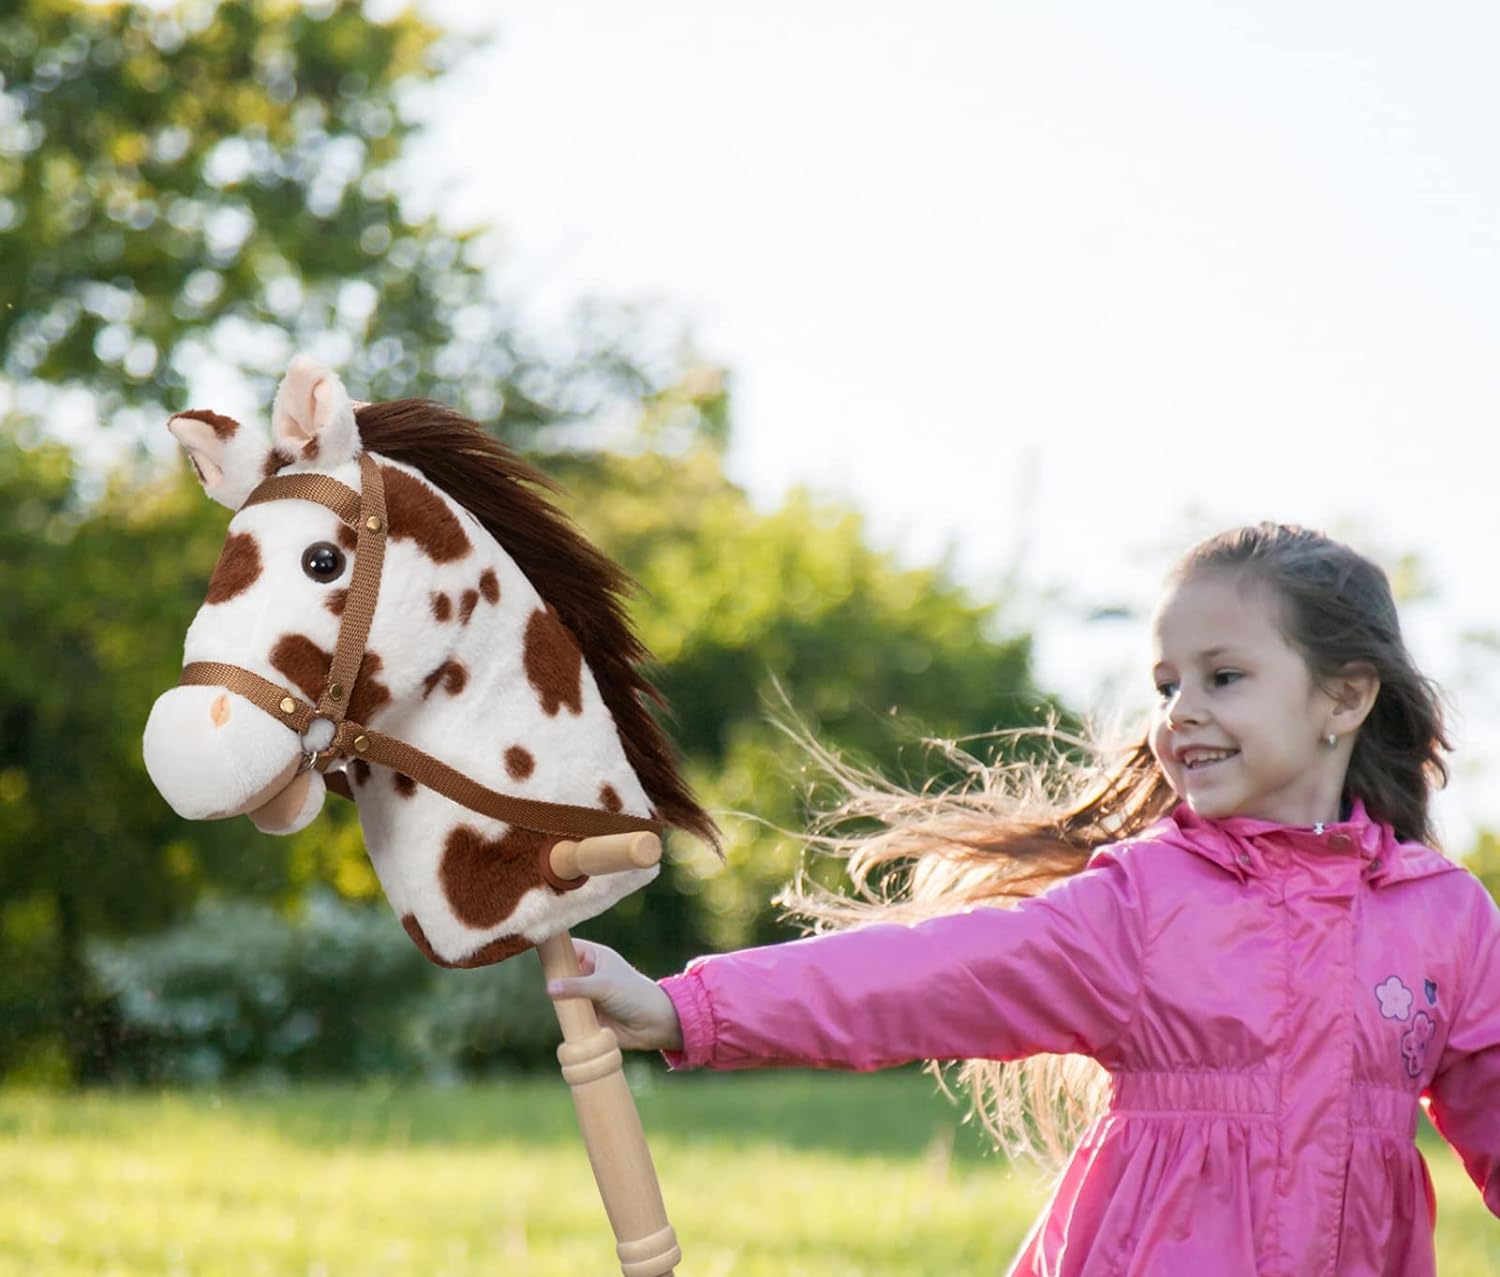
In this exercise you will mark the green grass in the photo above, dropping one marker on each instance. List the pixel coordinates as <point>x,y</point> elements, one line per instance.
<point>795,1175</point>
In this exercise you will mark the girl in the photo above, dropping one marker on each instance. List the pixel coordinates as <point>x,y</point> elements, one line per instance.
<point>1242,921</point>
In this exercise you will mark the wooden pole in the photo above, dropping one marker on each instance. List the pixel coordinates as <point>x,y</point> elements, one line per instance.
<point>593,1068</point>
<point>612,1133</point>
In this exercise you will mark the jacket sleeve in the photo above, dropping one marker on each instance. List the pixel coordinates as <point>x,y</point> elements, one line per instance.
<point>1060,972</point>
<point>1464,1098</point>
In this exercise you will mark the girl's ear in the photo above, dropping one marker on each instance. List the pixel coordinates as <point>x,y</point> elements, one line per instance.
<point>229,459</point>
<point>313,417</point>
<point>1354,690</point>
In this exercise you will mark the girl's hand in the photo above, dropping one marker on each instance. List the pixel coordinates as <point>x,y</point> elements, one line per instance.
<point>633,1005</point>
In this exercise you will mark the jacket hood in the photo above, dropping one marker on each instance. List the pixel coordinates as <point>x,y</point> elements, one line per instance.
<point>1247,847</point>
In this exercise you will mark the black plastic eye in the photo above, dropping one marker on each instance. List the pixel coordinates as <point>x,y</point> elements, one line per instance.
<point>323,562</point>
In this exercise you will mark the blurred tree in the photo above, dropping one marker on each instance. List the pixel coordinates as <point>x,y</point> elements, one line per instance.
<point>1484,860</point>
<point>93,603</point>
<point>761,618</point>
<point>214,185</point>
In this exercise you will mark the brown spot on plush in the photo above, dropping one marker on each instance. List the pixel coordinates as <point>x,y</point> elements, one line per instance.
<point>307,665</point>
<point>483,880</point>
<point>370,694</point>
<point>442,607</point>
<point>489,585</point>
<point>519,763</point>
<point>495,951</point>
<point>237,568</point>
<point>276,459</point>
<point>466,608</point>
<point>347,537</point>
<point>361,770</point>
<point>219,710</point>
<point>553,663</point>
<point>311,448</point>
<point>417,512</point>
<point>337,601</point>
<point>304,662</point>
<point>608,799</point>
<point>405,785</point>
<point>450,674</point>
<point>223,427</point>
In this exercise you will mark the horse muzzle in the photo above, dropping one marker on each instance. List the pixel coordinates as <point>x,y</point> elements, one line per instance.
<point>212,754</point>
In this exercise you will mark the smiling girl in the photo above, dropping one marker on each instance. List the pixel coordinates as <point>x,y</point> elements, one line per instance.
<point>1240,920</point>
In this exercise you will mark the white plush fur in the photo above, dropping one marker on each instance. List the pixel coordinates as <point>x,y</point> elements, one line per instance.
<point>574,754</point>
<point>212,753</point>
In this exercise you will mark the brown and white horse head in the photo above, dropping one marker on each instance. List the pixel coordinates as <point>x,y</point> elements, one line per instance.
<point>209,751</point>
<point>465,661</point>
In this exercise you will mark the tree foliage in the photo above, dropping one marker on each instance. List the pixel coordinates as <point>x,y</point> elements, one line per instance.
<point>215,185</point>
<point>789,619</point>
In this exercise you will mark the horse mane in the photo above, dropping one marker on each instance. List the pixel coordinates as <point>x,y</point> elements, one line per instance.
<point>586,589</point>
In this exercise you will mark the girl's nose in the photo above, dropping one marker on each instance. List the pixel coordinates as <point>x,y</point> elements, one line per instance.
<point>1182,712</point>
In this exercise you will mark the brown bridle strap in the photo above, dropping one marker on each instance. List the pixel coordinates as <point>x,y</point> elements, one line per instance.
<point>319,488</point>
<point>366,513</point>
<point>364,589</point>
<point>360,742</point>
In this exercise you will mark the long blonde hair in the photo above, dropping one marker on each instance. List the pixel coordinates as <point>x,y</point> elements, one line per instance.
<point>1009,830</point>
<point>1003,832</point>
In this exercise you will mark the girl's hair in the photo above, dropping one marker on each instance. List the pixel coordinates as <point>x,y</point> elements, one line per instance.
<point>1009,830</point>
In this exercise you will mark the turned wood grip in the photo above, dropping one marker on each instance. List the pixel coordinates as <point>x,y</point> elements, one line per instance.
<point>612,1132</point>
<point>606,854</point>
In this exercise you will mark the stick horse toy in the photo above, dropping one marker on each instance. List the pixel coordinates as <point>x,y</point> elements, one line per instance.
<point>394,595</point>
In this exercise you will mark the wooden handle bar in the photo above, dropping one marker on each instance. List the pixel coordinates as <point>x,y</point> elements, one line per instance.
<point>612,1133</point>
<point>606,854</point>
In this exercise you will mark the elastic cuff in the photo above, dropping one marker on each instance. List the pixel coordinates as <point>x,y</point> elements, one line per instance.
<point>695,1015</point>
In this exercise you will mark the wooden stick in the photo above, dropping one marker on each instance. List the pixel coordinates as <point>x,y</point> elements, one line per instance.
<point>612,1133</point>
<point>606,854</point>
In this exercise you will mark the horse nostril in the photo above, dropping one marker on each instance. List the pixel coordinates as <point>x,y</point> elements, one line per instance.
<point>219,710</point>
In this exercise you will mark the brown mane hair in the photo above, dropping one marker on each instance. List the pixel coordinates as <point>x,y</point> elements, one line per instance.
<point>586,589</point>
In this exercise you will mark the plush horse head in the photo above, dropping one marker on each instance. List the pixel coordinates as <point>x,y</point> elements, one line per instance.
<point>458,644</point>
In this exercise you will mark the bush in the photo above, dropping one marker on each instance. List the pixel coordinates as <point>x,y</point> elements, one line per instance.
<point>242,990</point>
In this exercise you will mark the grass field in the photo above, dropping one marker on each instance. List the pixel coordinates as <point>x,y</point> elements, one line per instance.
<point>795,1175</point>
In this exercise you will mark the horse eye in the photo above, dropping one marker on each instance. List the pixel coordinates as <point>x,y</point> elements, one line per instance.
<point>323,561</point>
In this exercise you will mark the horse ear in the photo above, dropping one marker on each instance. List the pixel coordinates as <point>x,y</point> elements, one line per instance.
<point>229,459</point>
<point>313,416</point>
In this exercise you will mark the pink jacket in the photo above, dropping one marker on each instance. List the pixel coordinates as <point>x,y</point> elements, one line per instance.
<point>1271,1003</point>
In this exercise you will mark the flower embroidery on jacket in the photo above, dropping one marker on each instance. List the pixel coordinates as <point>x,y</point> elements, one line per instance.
<point>1395,999</point>
<point>1414,1043</point>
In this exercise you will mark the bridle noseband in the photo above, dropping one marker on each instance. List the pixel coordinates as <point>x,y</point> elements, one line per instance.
<point>365,512</point>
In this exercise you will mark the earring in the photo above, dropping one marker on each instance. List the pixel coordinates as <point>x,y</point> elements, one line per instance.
<point>1331,740</point>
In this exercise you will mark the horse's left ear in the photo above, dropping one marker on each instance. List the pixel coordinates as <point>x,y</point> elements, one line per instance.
<point>313,416</point>
<point>229,459</point>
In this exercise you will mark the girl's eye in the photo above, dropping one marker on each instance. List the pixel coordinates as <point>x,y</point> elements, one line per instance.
<point>1223,678</point>
<point>1165,690</point>
<point>323,562</point>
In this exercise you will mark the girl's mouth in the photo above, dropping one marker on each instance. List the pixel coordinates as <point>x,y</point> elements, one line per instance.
<point>1197,760</point>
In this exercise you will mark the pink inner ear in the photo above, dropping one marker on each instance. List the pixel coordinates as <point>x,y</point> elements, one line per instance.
<point>202,445</point>
<point>303,401</point>
<point>324,403</point>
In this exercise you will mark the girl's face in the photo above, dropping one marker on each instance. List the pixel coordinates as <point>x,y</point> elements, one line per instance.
<point>1240,726</point>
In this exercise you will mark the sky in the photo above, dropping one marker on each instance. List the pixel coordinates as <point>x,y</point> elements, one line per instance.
<point>1053,289</point>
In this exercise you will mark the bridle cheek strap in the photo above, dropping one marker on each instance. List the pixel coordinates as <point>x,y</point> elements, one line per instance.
<point>365,511</point>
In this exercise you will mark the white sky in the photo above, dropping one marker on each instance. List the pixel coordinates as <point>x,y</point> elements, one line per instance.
<point>1061,286</point>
